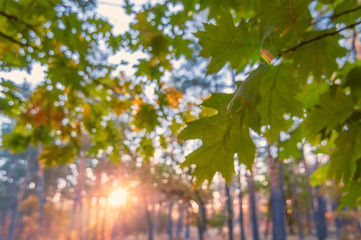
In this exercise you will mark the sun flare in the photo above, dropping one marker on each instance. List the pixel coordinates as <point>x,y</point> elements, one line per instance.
<point>118,197</point>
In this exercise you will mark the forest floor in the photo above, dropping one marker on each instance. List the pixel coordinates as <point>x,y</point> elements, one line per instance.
<point>213,234</point>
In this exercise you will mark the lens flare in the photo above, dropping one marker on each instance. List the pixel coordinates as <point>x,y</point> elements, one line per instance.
<point>118,197</point>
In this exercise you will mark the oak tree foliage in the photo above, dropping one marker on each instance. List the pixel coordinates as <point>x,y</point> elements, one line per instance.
<point>303,56</point>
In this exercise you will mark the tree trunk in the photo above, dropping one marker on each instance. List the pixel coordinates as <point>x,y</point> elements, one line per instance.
<point>80,187</point>
<point>14,190</point>
<point>170,221</point>
<point>87,220</point>
<point>3,222</point>
<point>13,212</point>
<point>267,228</point>
<point>20,226</point>
<point>201,217</point>
<point>321,219</point>
<point>203,213</point>
<point>104,222</point>
<point>295,203</point>
<point>311,214</point>
<point>41,190</point>
<point>252,207</point>
<point>179,227</point>
<point>282,191</point>
<point>149,218</point>
<point>97,209</point>
<point>187,235</point>
<point>230,213</point>
<point>338,221</point>
<point>159,224</point>
<point>240,197</point>
<point>278,217</point>
<point>200,228</point>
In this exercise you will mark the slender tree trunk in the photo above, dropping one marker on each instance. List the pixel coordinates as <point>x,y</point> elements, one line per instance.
<point>295,203</point>
<point>200,228</point>
<point>20,226</point>
<point>104,222</point>
<point>282,191</point>
<point>338,221</point>
<point>13,213</point>
<point>98,175</point>
<point>278,217</point>
<point>159,224</point>
<point>240,198</point>
<point>80,187</point>
<point>41,189</point>
<point>311,215</point>
<point>202,216</point>
<point>203,213</point>
<point>149,218</point>
<point>267,228</point>
<point>4,214</point>
<point>76,216</point>
<point>230,213</point>
<point>252,207</point>
<point>357,221</point>
<point>321,218</point>
<point>268,220</point>
<point>187,235</point>
<point>87,220</point>
<point>170,221</point>
<point>97,209</point>
<point>179,227</point>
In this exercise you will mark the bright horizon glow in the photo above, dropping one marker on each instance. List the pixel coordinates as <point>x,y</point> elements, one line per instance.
<point>118,197</point>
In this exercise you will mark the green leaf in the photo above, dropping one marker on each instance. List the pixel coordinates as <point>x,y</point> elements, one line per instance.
<point>18,140</point>
<point>348,152</point>
<point>146,118</point>
<point>319,176</point>
<point>278,89</point>
<point>226,42</point>
<point>352,197</point>
<point>249,81</point>
<point>319,56</point>
<point>55,155</point>
<point>310,93</point>
<point>289,147</point>
<point>330,112</point>
<point>221,137</point>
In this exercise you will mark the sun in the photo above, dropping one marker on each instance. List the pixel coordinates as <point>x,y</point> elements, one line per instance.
<point>118,197</point>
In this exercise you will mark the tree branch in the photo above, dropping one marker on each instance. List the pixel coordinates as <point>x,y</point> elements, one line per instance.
<point>12,17</point>
<point>319,38</point>
<point>345,12</point>
<point>11,39</point>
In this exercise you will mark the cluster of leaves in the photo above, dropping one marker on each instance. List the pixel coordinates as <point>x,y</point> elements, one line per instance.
<point>83,103</point>
<point>303,73</point>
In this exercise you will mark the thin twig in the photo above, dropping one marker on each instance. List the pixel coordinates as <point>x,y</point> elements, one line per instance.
<point>345,12</point>
<point>11,39</point>
<point>12,17</point>
<point>319,38</point>
<point>339,14</point>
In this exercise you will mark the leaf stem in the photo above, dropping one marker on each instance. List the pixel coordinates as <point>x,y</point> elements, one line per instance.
<point>345,12</point>
<point>11,39</point>
<point>12,17</point>
<point>319,38</point>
